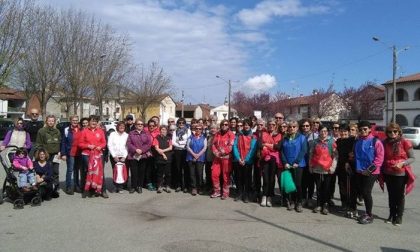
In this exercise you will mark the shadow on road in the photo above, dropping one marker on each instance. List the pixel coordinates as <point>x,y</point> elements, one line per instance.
<point>295,232</point>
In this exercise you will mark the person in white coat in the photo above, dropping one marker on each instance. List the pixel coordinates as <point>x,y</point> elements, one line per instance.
<point>180,171</point>
<point>117,146</point>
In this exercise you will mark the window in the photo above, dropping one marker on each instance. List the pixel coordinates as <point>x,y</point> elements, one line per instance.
<point>107,111</point>
<point>402,95</point>
<point>417,95</point>
<point>416,122</point>
<point>401,120</point>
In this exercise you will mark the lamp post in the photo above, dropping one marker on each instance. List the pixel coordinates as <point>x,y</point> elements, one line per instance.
<point>229,82</point>
<point>395,53</point>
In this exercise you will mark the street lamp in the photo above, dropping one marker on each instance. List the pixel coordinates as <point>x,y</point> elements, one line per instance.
<point>395,53</point>
<point>229,82</point>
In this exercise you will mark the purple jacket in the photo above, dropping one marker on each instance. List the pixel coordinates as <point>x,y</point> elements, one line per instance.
<point>139,140</point>
<point>6,141</point>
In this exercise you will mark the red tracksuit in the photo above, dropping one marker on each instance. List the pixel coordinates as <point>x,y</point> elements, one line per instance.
<point>222,149</point>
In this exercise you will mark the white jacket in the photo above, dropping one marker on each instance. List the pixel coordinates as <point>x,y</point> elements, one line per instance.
<point>117,144</point>
<point>179,142</point>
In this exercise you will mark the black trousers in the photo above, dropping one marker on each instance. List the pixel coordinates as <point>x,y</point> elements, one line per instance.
<point>332,187</point>
<point>344,186</point>
<point>364,185</point>
<point>207,168</point>
<point>55,173</point>
<point>150,171</point>
<point>269,169</point>
<point>137,168</point>
<point>322,182</point>
<point>244,178</point>
<point>163,174</point>
<point>196,174</point>
<point>180,174</point>
<point>308,184</point>
<point>77,170</point>
<point>396,199</point>
<point>297,179</point>
<point>257,179</point>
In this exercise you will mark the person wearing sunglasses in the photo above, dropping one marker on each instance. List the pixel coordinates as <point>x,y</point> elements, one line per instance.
<point>222,164</point>
<point>139,143</point>
<point>270,162</point>
<point>179,141</point>
<point>33,125</point>
<point>397,172</point>
<point>369,156</point>
<point>243,157</point>
<point>213,129</point>
<point>294,147</point>
<point>196,150</point>
<point>308,181</point>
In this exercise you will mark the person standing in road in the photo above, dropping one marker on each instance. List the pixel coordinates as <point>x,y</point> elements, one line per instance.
<point>162,145</point>
<point>66,145</point>
<point>49,138</point>
<point>33,126</point>
<point>398,175</point>
<point>222,150</point>
<point>139,143</point>
<point>196,149</point>
<point>369,156</point>
<point>179,140</point>
<point>117,146</point>
<point>92,144</point>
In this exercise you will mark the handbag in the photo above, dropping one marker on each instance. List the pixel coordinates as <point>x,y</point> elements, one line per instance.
<point>287,184</point>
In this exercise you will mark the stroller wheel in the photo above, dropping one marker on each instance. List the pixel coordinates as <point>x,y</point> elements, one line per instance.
<point>18,204</point>
<point>36,201</point>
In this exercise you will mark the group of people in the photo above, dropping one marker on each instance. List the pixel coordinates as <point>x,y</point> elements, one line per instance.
<point>249,155</point>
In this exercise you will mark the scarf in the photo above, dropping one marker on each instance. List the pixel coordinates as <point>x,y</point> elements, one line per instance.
<point>395,142</point>
<point>180,132</point>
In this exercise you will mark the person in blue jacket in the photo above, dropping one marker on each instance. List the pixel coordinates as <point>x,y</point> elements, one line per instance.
<point>244,149</point>
<point>293,150</point>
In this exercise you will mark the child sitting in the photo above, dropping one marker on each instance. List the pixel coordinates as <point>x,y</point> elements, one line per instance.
<point>23,164</point>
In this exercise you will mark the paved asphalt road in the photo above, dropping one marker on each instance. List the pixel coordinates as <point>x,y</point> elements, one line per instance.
<point>181,222</point>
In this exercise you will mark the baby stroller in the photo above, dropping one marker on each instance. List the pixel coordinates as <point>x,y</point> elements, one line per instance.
<point>11,190</point>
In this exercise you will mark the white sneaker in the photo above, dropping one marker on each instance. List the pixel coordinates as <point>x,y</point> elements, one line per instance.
<point>263,201</point>
<point>269,202</point>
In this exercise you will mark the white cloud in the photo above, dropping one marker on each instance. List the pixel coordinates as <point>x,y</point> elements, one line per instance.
<point>260,83</point>
<point>190,40</point>
<point>266,10</point>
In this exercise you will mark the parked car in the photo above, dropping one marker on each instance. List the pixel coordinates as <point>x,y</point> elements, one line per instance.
<point>5,125</point>
<point>110,125</point>
<point>379,131</point>
<point>413,135</point>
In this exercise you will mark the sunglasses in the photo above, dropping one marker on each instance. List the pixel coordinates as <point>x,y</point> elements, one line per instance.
<point>293,127</point>
<point>181,123</point>
<point>392,131</point>
<point>336,128</point>
<point>35,114</point>
<point>364,129</point>
<point>279,117</point>
<point>239,125</point>
<point>225,124</point>
<point>198,128</point>
<point>171,121</point>
<point>305,126</point>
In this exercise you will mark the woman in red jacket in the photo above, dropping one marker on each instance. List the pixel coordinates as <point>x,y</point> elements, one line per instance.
<point>222,149</point>
<point>398,175</point>
<point>92,142</point>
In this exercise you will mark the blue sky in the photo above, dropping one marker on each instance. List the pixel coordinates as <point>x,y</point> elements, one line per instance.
<point>291,46</point>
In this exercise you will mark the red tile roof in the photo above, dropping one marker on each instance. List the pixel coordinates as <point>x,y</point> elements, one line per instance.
<point>408,78</point>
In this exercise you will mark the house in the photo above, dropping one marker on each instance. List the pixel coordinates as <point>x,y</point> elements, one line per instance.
<point>12,103</point>
<point>164,107</point>
<point>324,106</point>
<point>192,111</point>
<point>221,112</point>
<point>408,100</point>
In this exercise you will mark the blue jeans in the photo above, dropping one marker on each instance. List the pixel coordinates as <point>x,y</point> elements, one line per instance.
<point>69,172</point>
<point>25,177</point>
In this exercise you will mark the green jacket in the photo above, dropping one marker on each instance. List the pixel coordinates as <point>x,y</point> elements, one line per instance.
<point>49,139</point>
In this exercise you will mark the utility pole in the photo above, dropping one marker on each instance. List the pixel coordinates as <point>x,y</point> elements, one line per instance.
<point>230,90</point>
<point>394,83</point>
<point>182,104</point>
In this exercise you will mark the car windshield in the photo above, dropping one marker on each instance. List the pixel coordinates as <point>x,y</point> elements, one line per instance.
<point>410,131</point>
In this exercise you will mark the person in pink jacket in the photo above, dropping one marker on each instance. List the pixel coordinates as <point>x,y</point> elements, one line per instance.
<point>369,156</point>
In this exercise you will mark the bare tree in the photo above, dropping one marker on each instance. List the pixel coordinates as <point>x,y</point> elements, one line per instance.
<point>13,21</point>
<point>111,66</point>
<point>40,69</point>
<point>147,87</point>
<point>365,102</point>
<point>322,102</point>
